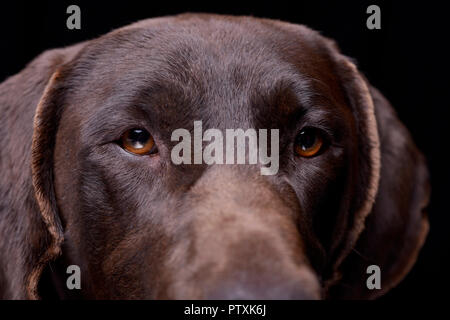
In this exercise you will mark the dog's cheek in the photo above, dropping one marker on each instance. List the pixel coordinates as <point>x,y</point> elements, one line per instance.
<point>320,184</point>
<point>120,224</point>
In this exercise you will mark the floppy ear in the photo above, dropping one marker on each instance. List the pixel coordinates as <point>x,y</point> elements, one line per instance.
<point>46,122</point>
<point>389,225</point>
<point>31,232</point>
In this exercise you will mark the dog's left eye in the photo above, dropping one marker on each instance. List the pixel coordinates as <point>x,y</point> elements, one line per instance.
<point>309,142</point>
<point>138,141</point>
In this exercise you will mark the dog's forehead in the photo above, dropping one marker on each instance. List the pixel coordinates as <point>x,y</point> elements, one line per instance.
<point>188,46</point>
<point>216,62</point>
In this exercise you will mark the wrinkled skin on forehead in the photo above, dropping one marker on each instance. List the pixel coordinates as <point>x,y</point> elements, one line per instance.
<point>142,227</point>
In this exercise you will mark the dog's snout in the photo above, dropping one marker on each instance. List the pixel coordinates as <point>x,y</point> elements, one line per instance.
<point>241,243</point>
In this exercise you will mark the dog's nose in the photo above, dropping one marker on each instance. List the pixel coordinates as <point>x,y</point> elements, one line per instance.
<point>284,292</point>
<point>306,288</point>
<point>246,242</point>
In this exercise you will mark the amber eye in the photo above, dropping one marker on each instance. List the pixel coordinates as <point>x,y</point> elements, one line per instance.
<point>138,141</point>
<point>308,142</point>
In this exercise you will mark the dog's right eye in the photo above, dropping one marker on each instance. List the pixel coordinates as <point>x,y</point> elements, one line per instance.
<point>138,141</point>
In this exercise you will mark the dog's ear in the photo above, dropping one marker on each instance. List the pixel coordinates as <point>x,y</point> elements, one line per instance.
<point>387,223</point>
<point>46,122</point>
<point>30,225</point>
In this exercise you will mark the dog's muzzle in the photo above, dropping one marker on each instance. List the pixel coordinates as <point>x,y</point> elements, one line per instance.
<point>240,241</point>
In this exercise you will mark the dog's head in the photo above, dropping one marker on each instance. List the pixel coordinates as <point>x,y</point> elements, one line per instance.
<point>350,190</point>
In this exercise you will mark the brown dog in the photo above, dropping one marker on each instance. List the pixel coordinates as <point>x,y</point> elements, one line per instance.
<point>350,191</point>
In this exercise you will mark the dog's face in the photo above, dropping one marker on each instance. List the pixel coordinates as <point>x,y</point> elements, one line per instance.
<point>141,226</point>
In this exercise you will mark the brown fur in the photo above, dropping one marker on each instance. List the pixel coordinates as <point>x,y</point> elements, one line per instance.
<point>141,227</point>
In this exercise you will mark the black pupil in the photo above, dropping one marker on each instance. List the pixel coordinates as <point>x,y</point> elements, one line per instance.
<point>307,139</point>
<point>138,138</point>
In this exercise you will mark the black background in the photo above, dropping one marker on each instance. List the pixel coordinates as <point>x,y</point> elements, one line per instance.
<point>406,60</point>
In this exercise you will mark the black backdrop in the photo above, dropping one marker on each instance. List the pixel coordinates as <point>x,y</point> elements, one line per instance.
<point>406,60</point>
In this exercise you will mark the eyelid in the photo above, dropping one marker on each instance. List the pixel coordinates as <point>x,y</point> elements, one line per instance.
<point>320,126</point>
<point>326,133</point>
<point>321,117</point>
